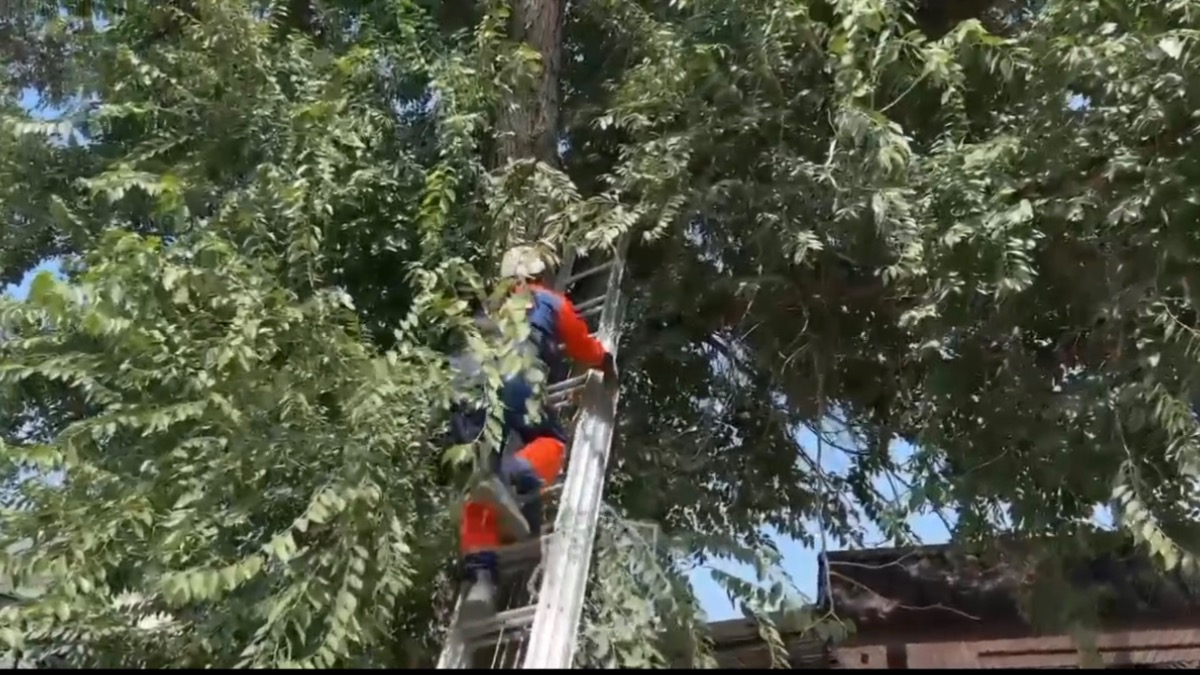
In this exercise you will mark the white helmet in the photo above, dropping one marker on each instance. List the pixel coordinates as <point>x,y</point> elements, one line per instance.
<point>523,262</point>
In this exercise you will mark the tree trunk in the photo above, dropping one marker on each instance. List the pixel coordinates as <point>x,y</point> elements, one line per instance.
<point>528,124</point>
<point>528,120</point>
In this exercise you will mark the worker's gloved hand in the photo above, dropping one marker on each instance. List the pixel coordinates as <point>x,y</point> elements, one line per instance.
<point>609,367</point>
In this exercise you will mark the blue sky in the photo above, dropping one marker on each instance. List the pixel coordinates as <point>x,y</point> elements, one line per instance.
<point>800,561</point>
<point>21,290</point>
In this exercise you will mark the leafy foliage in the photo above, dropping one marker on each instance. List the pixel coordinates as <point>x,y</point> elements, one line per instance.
<point>961,224</point>
<point>249,468</point>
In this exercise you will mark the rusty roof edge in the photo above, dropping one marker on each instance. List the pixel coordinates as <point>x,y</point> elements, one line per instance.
<point>1006,542</point>
<point>731,633</point>
<point>851,555</point>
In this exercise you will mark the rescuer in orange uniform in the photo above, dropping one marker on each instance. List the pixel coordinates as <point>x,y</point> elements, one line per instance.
<point>553,321</point>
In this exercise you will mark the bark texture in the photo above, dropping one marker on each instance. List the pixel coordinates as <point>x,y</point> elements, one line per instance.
<point>528,123</point>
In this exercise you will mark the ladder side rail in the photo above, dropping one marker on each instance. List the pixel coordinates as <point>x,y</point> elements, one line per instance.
<point>566,272</point>
<point>554,634</point>
<point>454,654</point>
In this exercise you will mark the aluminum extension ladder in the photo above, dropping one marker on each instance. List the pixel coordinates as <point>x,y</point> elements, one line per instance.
<point>539,629</point>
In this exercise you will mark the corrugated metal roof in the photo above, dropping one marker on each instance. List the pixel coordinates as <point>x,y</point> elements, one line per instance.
<point>880,587</point>
<point>737,645</point>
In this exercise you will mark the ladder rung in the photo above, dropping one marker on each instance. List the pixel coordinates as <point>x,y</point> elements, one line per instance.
<point>591,311</point>
<point>560,399</point>
<point>503,622</point>
<point>552,490</point>
<point>520,553</point>
<point>590,271</point>
<point>590,303</point>
<point>566,385</point>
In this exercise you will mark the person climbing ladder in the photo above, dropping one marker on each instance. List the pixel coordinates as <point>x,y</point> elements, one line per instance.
<point>491,509</point>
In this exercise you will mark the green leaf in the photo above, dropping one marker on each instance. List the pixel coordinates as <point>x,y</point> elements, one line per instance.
<point>1171,46</point>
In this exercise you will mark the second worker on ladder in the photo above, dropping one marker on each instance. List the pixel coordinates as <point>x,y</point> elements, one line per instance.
<point>491,511</point>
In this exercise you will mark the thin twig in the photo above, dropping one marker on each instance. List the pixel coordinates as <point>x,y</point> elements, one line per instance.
<point>900,605</point>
